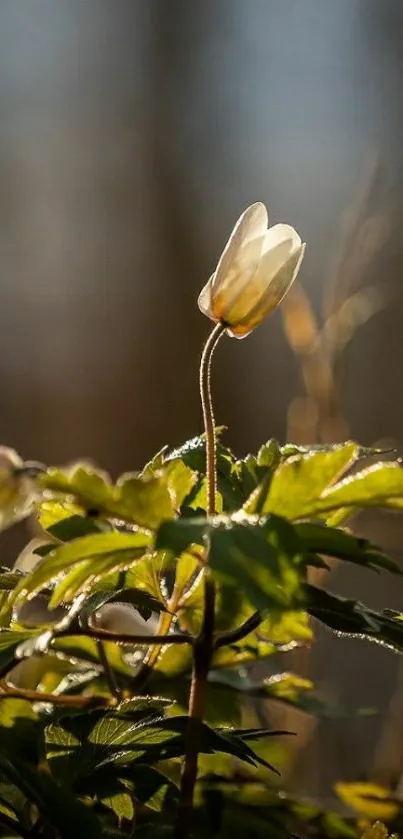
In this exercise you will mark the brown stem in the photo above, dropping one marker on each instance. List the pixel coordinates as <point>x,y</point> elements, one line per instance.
<point>204,643</point>
<point>203,651</point>
<point>128,638</point>
<point>54,699</point>
<point>225,638</point>
<point>108,670</point>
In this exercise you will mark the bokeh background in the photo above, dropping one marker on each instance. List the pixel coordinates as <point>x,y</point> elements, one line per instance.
<point>132,135</point>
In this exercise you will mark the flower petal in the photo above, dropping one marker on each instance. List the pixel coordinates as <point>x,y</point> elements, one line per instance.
<point>279,233</point>
<point>236,308</point>
<point>244,246</point>
<point>204,299</point>
<point>274,293</point>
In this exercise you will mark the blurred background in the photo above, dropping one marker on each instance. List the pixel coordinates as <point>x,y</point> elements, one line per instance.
<point>132,135</point>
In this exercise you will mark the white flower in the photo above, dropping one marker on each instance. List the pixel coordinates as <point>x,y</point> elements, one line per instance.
<point>255,271</point>
<point>17,491</point>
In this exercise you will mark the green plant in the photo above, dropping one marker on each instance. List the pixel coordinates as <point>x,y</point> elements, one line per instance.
<point>128,627</point>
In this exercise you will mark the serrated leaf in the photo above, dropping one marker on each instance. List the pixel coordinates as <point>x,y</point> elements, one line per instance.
<point>381,485</point>
<point>53,512</point>
<point>298,482</point>
<point>250,474</point>
<point>317,538</point>
<point>181,480</point>
<point>121,805</point>
<point>55,803</point>
<point>91,488</point>
<point>269,454</point>
<point>291,449</point>
<point>155,464</point>
<point>120,548</point>
<point>351,617</point>
<point>193,454</point>
<point>145,501</point>
<point>260,557</point>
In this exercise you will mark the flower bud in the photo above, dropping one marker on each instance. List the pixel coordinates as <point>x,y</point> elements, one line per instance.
<point>255,271</point>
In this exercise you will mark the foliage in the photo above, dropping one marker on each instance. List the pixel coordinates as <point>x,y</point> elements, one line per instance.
<point>93,715</point>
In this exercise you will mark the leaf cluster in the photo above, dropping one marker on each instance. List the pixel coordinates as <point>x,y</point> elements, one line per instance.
<point>97,633</point>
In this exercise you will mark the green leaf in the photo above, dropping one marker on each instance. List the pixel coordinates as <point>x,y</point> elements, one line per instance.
<point>9,642</point>
<point>111,549</point>
<point>91,488</point>
<point>298,482</point>
<point>176,536</point>
<point>19,731</point>
<point>150,786</point>
<point>176,660</point>
<point>351,617</point>
<point>297,692</point>
<point>54,802</point>
<point>121,805</point>
<point>53,512</point>
<point>144,602</point>
<point>187,566</point>
<point>256,809</point>
<point>381,485</point>
<point>284,627</point>
<point>250,474</point>
<point>145,501</point>
<point>193,454</point>
<point>82,648</point>
<point>9,579</point>
<point>261,557</point>
<point>181,480</point>
<point>286,688</point>
<point>155,464</point>
<point>317,538</point>
<point>76,745</point>
<point>369,800</point>
<point>75,527</point>
<point>269,454</point>
<point>291,449</point>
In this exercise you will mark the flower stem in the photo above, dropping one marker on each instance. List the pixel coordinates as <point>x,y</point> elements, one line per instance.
<point>204,644</point>
<point>208,415</point>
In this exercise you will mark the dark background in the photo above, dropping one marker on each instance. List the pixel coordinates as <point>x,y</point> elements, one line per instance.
<point>132,135</point>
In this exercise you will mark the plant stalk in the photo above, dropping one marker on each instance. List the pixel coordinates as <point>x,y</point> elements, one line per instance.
<point>109,674</point>
<point>204,643</point>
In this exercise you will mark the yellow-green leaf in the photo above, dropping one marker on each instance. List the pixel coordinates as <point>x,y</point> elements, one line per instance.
<point>368,799</point>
